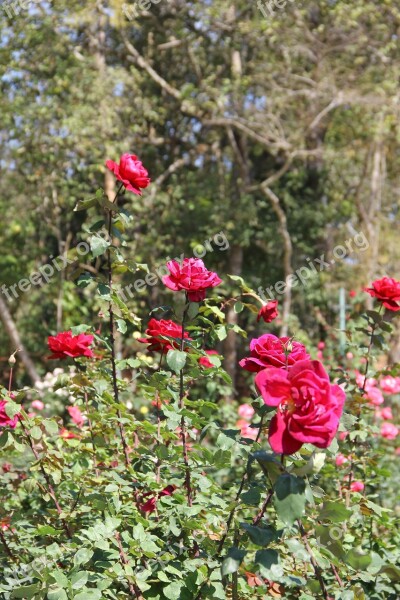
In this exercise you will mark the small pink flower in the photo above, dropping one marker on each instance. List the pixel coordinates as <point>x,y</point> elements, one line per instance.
<point>343,435</point>
<point>352,293</point>
<point>246,411</point>
<point>341,459</point>
<point>246,430</point>
<point>37,404</point>
<point>386,413</point>
<point>321,345</point>
<point>390,385</point>
<point>357,486</point>
<point>349,355</point>
<point>370,383</point>
<point>76,415</point>
<point>375,396</point>
<point>389,431</point>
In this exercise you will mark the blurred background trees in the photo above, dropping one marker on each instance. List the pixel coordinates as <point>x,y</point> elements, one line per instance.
<point>282,132</point>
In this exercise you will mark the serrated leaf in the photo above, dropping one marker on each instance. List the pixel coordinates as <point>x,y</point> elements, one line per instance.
<point>232,561</point>
<point>259,535</point>
<point>98,245</point>
<point>289,498</point>
<point>176,360</point>
<point>335,512</point>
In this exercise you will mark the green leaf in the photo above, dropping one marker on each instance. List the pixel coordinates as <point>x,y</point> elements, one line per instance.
<point>36,433</point>
<point>56,594</point>
<point>176,360</point>
<point>358,560</point>
<point>259,535</point>
<point>121,325</point>
<point>98,245</point>
<point>83,556</point>
<point>289,498</point>
<point>79,580</point>
<point>269,563</point>
<point>173,590</point>
<point>12,408</point>
<point>89,595</point>
<point>26,591</point>
<point>335,512</point>
<point>232,561</point>
<point>238,307</point>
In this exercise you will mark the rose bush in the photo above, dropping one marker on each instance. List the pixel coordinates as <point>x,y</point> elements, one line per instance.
<point>130,475</point>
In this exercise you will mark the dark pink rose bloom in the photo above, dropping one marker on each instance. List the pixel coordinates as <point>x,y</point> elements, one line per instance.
<point>151,504</point>
<point>269,311</point>
<point>130,172</point>
<point>5,420</point>
<point>271,351</point>
<point>205,362</point>
<point>357,486</point>
<point>163,335</point>
<point>66,345</point>
<point>309,406</point>
<point>191,276</point>
<point>387,291</point>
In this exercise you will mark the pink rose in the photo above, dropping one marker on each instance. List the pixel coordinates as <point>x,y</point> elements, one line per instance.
<point>357,486</point>
<point>375,396</point>
<point>390,385</point>
<point>246,411</point>
<point>387,291</point>
<point>386,413</point>
<point>5,420</point>
<point>37,404</point>
<point>271,351</point>
<point>66,345</point>
<point>130,172</point>
<point>205,362</point>
<point>76,415</point>
<point>321,345</point>
<point>309,406</point>
<point>341,459</point>
<point>370,383</point>
<point>246,430</point>
<point>268,312</point>
<point>191,276</point>
<point>389,431</point>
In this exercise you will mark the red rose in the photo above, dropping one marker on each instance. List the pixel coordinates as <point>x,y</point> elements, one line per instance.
<point>269,311</point>
<point>151,503</point>
<point>309,406</point>
<point>191,276</point>
<point>271,351</point>
<point>65,345</point>
<point>131,172</point>
<point>5,420</point>
<point>158,331</point>
<point>387,290</point>
<point>205,362</point>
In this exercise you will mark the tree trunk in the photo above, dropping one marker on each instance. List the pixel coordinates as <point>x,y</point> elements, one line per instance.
<point>16,343</point>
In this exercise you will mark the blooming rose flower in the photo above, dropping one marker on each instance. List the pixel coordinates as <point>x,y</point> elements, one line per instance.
<point>205,362</point>
<point>150,505</point>
<point>390,385</point>
<point>269,351</point>
<point>370,382</point>
<point>269,311</point>
<point>191,276</point>
<point>387,290</point>
<point>341,459</point>
<point>5,420</point>
<point>386,413</point>
<point>246,411</point>
<point>375,396</point>
<point>130,172</point>
<point>76,415</point>
<point>65,345</point>
<point>309,406</point>
<point>37,404</point>
<point>389,431</point>
<point>357,486</point>
<point>158,330</point>
<point>246,430</point>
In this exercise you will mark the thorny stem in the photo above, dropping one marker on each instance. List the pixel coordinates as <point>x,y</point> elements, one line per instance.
<point>134,590</point>
<point>50,489</point>
<point>317,569</point>
<point>112,337</point>
<point>188,483</point>
<point>266,502</point>
<point>91,435</point>
<point>6,546</point>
